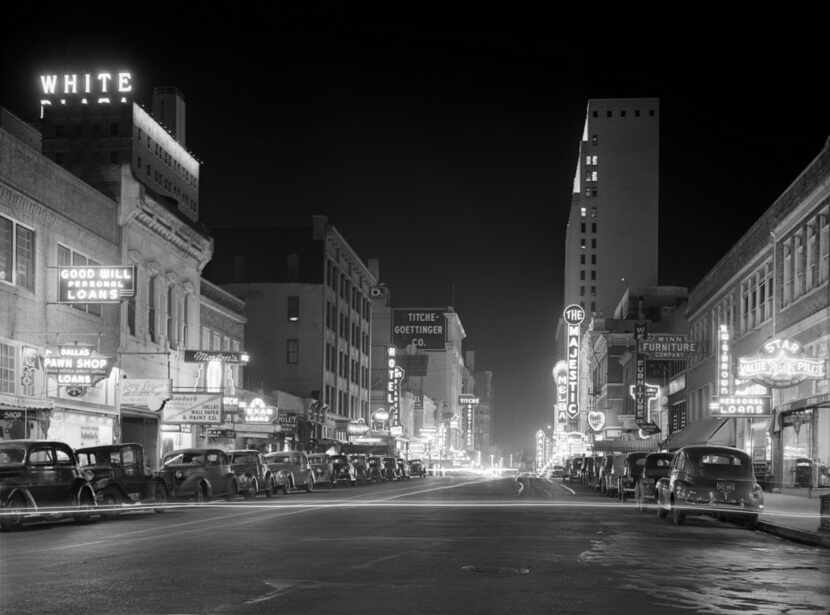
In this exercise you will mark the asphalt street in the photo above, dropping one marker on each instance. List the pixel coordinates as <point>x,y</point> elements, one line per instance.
<point>435,545</point>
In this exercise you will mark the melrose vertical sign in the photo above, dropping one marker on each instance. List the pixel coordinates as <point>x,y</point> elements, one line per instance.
<point>573,315</point>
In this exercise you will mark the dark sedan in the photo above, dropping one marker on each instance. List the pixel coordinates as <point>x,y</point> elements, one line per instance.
<point>655,466</point>
<point>41,478</point>
<point>714,480</point>
<point>199,474</point>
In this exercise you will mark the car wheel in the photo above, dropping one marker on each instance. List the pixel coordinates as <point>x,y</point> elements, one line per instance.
<point>160,496</point>
<point>309,484</point>
<point>110,501</point>
<point>201,494</point>
<point>233,491</point>
<point>678,517</point>
<point>11,520</point>
<point>86,502</point>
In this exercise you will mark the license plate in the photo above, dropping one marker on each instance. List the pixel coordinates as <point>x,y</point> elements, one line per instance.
<point>726,487</point>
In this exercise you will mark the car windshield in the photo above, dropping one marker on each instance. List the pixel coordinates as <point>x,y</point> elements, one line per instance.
<point>184,457</point>
<point>658,463</point>
<point>10,453</point>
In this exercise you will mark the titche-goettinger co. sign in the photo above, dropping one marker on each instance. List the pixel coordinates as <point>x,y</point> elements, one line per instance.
<point>426,329</point>
<point>87,284</point>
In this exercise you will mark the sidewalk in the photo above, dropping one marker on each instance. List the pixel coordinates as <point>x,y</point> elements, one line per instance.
<point>793,517</point>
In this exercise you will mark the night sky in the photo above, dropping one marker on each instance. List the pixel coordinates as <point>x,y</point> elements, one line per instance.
<point>444,141</point>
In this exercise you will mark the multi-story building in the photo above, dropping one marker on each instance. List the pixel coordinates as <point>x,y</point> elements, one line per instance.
<point>608,368</point>
<point>93,128</point>
<point>612,234</point>
<point>485,412</point>
<point>309,316</point>
<point>771,287</point>
<point>49,217</point>
<point>93,140</point>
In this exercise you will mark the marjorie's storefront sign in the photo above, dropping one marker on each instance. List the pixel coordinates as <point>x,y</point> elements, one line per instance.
<point>95,284</point>
<point>781,364</point>
<point>206,356</point>
<point>77,366</point>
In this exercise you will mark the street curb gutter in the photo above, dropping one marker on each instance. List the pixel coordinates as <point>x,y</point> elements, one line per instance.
<point>809,538</point>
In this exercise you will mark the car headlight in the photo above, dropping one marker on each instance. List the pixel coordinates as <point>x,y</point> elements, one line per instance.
<point>179,475</point>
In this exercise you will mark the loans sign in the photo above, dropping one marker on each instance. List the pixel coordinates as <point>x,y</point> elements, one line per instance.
<point>95,284</point>
<point>734,406</point>
<point>77,366</point>
<point>781,364</point>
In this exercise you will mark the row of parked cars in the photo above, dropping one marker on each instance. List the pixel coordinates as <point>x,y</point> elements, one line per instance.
<point>45,478</point>
<point>713,480</point>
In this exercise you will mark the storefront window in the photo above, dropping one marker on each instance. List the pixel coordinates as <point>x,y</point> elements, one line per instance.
<point>80,429</point>
<point>796,444</point>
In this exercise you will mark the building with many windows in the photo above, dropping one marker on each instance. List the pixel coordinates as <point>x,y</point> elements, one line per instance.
<point>309,316</point>
<point>612,234</point>
<point>772,285</point>
<point>50,217</point>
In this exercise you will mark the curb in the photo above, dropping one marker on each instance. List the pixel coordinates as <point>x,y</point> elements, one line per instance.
<point>802,536</point>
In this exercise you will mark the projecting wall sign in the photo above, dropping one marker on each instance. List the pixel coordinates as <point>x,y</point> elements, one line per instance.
<point>206,356</point>
<point>77,366</point>
<point>667,347</point>
<point>573,315</point>
<point>95,284</point>
<point>781,364</point>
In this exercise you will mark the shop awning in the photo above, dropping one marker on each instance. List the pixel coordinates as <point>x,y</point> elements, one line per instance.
<point>701,432</point>
<point>625,446</point>
<point>17,402</point>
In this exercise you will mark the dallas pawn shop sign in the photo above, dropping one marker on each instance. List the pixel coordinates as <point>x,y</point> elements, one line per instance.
<point>95,284</point>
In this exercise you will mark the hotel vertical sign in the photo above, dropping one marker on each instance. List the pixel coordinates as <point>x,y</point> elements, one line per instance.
<point>573,315</point>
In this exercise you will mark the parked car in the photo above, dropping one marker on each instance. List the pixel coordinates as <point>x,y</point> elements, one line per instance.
<point>253,475</point>
<point>417,468</point>
<point>402,469</point>
<point>298,471</point>
<point>342,471</point>
<point>199,474</point>
<point>36,474</point>
<point>655,466</point>
<point>611,473</point>
<point>628,476</point>
<point>360,463</point>
<point>573,469</point>
<point>375,469</point>
<point>715,480</point>
<point>390,468</point>
<point>594,474</point>
<point>558,472</point>
<point>322,466</point>
<point>121,475</point>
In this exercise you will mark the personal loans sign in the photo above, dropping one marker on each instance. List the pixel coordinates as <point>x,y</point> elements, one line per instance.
<point>425,329</point>
<point>95,284</point>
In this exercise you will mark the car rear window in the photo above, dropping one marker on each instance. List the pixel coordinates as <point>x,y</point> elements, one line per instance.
<point>183,458</point>
<point>723,464</point>
<point>280,459</point>
<point>243,458</point>
<point>658,462</point>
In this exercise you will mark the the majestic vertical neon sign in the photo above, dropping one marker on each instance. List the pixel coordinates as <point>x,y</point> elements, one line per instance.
<point>573,315</point>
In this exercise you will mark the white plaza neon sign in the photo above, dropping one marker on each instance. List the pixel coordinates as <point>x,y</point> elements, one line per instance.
<point>98,87</point>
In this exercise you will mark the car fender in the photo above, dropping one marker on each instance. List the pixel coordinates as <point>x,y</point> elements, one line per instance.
<point>85,486</point>
<point>30,500</point>
<point>107,483</point>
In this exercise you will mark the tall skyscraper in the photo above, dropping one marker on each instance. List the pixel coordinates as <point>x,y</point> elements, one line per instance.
<point>612,235</point>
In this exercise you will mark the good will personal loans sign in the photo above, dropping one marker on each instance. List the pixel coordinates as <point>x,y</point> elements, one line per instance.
<point>95,284</point>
